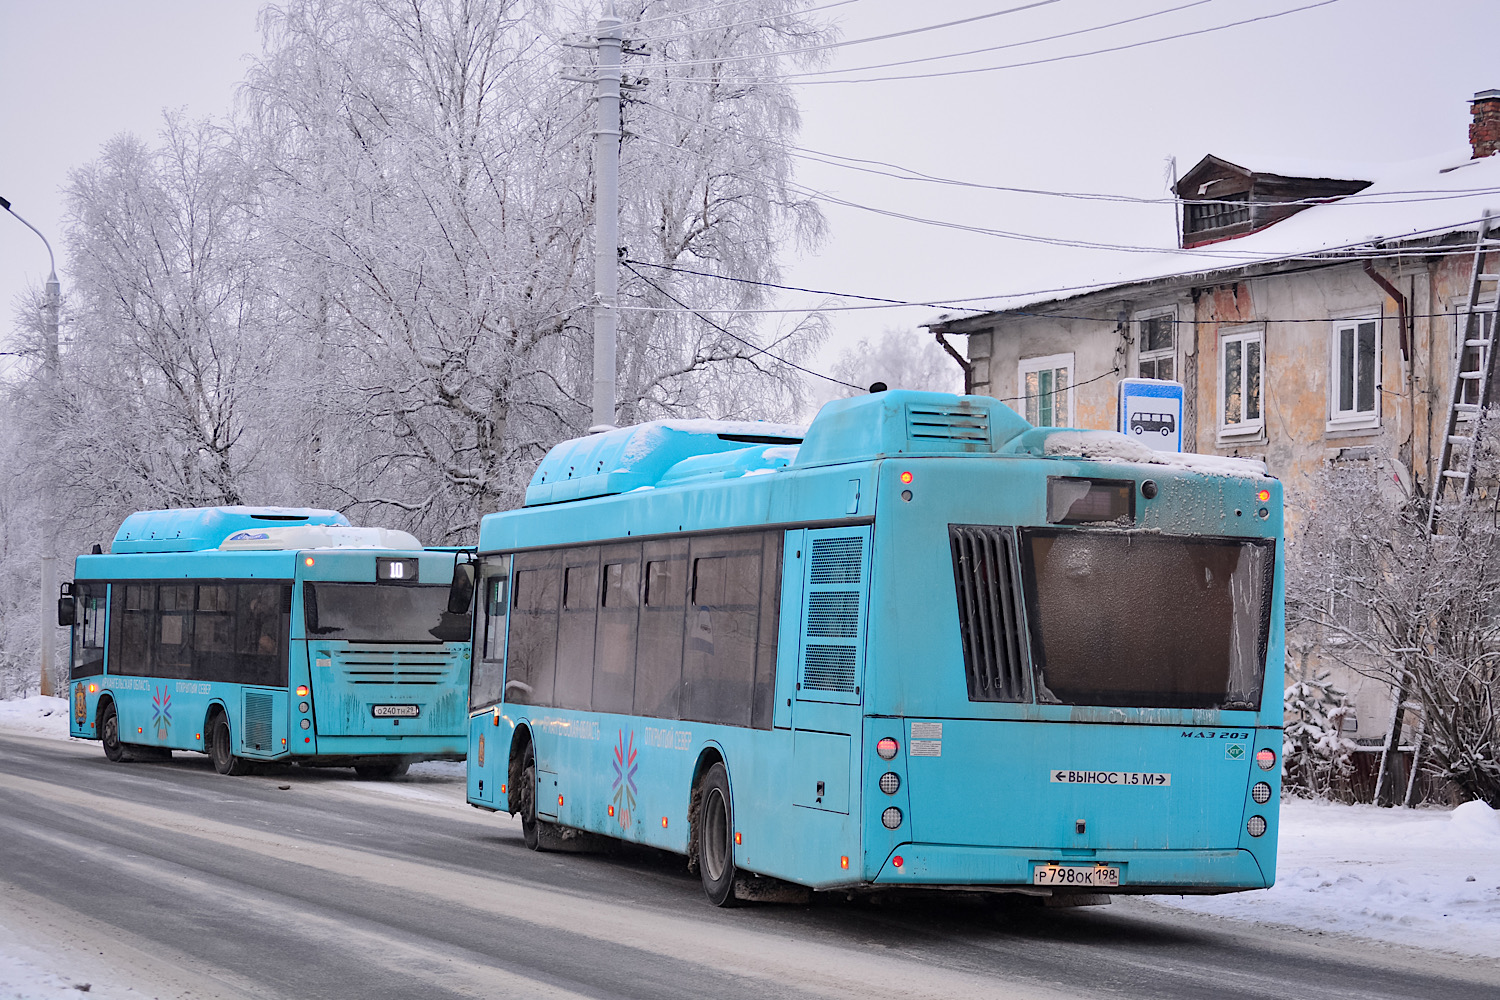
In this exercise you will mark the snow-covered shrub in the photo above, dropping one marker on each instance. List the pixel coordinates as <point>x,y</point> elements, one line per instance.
<point>1315,754</point>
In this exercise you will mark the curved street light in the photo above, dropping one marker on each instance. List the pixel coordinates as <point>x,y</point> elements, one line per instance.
<point>50,303</point>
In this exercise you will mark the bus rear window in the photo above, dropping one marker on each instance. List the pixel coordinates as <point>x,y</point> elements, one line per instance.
<point>1148,621</point>
<point>374,612</point>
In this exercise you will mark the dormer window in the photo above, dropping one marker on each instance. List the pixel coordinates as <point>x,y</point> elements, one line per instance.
<point>1231,210</point>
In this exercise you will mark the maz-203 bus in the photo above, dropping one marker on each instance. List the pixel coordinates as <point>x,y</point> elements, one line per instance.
<point>267,634</point>
<point>926,645</point>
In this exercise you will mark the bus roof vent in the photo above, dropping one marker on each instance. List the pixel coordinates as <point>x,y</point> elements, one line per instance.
<point>935,426</point>
<point>628,458</point>
<point>193,529</point>
<point>906,422</point>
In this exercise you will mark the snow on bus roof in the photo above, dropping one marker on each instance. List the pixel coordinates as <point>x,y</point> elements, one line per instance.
<point>1111,446</point>
<point>648,435</point>
<point>1454,192</point>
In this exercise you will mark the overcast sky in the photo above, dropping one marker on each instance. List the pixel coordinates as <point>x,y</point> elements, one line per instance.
<point>1351,81</point>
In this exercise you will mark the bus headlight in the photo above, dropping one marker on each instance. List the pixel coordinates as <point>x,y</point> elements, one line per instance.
<point>1261,793</point>
<point>890,782</point>
<point>892,818</point>
<point>1256,826</point>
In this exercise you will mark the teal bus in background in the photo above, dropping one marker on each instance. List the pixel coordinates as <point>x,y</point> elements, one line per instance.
<point>921,644</point>
<point>267,635</point>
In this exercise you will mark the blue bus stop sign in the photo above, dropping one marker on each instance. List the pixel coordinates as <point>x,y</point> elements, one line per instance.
<point>1151,412</point>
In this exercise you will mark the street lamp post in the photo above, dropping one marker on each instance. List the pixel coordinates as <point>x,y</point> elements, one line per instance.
<point>51,304</point>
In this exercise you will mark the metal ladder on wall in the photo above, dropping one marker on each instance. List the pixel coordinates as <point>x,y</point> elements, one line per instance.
<point>1473,380</point>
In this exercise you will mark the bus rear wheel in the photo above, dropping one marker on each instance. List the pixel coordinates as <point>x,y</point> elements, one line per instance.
<point>714,832</point>
<point>527,802</point>
<point>221,750</point>
<point>109,734</point>
<point>380,772</point>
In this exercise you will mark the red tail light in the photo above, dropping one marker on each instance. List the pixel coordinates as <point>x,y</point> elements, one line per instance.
<point>1266,759</point>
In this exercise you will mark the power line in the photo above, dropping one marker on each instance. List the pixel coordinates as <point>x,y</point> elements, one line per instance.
<point>757,348</point>
<point>861,165</point>
<point>761,21</point>
<point>720,60</point>
<point>786,79</point>
<point>1058,392</point>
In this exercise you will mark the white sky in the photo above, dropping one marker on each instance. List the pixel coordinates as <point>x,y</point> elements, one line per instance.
<point>1357,80</point>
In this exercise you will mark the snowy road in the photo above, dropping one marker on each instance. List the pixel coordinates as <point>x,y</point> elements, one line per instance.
<point>167,880</point>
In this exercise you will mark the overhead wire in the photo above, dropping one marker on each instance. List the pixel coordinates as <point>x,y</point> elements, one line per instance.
<point>767,22</point>
<point>796,80</point>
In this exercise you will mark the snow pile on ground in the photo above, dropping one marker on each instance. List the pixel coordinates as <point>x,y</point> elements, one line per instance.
<point>1426,878</point>
<point>38,715</point>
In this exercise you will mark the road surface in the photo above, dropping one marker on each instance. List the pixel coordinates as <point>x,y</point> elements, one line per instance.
<point>178,882</point>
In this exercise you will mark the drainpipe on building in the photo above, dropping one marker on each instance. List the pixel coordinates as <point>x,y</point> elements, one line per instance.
<point>1408,338</point>
<point>963,362</point>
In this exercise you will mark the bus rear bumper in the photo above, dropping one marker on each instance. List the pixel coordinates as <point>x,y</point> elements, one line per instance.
<point>365,748</point>
<point>1167,871</point>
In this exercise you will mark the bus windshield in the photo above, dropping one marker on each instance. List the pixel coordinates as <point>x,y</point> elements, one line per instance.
<point>378,612</point>
<point>1148,621</point>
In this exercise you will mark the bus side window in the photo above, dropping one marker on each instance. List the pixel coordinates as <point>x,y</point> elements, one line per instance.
<point>575,629</point>
<point>615,646</point>
<point>487,670</point>
<point>88,631</point>
<point>132,608</point>
<point>174,631</point>
<point>718,662</point>
<point>658,659</point>
<point>531,662</point>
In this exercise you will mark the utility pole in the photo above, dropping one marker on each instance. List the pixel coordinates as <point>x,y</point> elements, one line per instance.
<point>609,40</point>
<point>51,304</point>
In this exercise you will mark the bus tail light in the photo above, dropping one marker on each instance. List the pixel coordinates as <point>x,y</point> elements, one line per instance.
<point>898,861</point>
<point>890,782</point>
<point>1256,826</point>
<point>737,839</point>
<point>302,691</point>
<point>844,862</point>
<point>887,748</point>
<point>1261,793</point>
<point>1265,759</point>
<point>891,817</point>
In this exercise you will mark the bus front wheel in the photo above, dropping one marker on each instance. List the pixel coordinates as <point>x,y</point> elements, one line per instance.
<point>527,802</point>
<point>714,832</point>
<point>221,750</point>
<point>109,734</point>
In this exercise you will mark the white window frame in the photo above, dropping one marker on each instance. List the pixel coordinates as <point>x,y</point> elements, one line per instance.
<point>1352,419</point>
<point>1051,362</point>
<point>1244,427</point>
<point>1143,355</point>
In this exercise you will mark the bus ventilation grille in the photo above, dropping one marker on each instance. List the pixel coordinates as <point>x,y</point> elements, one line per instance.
<point>835,560</point>
<point>829,668</point>
<point>930,425</point>
<point>382,666</point>
<point>258,720</point>
<point>833,614</point>
<point>989,616</point>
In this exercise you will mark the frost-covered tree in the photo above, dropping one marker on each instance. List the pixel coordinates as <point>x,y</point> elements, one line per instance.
<point>1371,589</point>
<point>1315,753</point>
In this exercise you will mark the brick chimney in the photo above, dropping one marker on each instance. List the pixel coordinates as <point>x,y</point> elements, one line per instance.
<point>1484,131</point>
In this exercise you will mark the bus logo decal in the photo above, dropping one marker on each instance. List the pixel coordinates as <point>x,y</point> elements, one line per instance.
<point>161,711</point>
<point>80,704</point>
<point>1066,777</point>
<point>624,787</point>
<point>1234,751</point>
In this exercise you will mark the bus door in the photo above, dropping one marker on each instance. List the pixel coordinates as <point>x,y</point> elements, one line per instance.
<point>826,714</point>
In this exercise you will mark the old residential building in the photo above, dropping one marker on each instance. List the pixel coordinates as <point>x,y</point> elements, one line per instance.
<point>1312,315</point>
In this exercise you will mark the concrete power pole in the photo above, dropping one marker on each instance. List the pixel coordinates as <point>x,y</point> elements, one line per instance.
<point>51,304</point>
<point>609,39</point>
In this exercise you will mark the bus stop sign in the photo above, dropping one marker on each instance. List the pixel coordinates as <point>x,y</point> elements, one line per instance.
<point>1151,412</point>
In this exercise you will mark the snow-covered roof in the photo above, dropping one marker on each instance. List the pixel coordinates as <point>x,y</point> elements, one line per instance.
<point>1420,199</point>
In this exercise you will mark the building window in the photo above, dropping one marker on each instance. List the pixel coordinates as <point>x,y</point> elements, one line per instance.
<point>1046,390</point>
<point>1355,372</point>
<point>1156,334</point>
<point>1241,370</point>
<point>1220,213</point>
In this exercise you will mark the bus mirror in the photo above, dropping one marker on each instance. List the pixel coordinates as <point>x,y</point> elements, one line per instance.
<point>461,593</point>
<point>67,612</point>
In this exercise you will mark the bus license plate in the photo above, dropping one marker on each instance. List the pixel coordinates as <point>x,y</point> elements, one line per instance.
<point>1099,875</point>
<point>395,711</point>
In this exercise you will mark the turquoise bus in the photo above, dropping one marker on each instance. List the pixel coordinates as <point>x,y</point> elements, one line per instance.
<point>922,644</point>
<point>267,635</point>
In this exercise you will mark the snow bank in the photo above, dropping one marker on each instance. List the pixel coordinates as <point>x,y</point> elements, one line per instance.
<point>1113,446</point>
<point>37,715</point>
<point>1425,878</point>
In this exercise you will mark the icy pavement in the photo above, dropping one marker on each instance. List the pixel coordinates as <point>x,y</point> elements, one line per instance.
<point>1426,878</point>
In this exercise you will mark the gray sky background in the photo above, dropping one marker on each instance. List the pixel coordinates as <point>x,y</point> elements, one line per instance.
<point>1362,81</point>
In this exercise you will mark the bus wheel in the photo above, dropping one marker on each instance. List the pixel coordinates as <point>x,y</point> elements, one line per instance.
<point>221,750</point>
<point>380,772</point>
<point>109,734</point>
<point>714,832</point>
<point>527,802</point>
